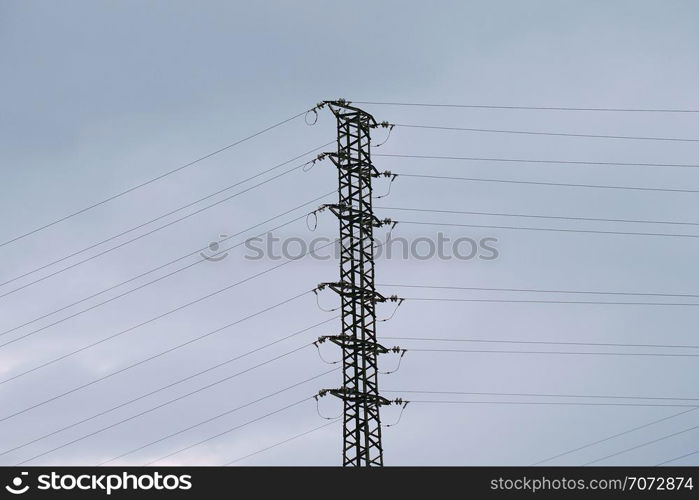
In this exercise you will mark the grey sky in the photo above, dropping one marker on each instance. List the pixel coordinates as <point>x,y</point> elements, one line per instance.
<point>100,96</point>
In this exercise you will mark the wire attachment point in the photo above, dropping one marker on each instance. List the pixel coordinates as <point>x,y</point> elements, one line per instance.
<point>313,110</point>
<point>317,397</point>
<point>310,164</point>
<point>320,355</point>
<point>398,401</point>
<point>397,350</point>
<point>387,125</point>
<point>315,292</point>
<point>393,176</point>
<point>393,298</point>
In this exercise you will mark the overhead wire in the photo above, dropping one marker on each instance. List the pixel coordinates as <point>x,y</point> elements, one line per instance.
<point>538,395</point>
<point>544,342</point>
<point>534,108</point>
<point>549,229</point>
<point>542,183</point>
<point>538,216</point>
<point>275,445</point>
<point>161,405</point>
<point>219,415</point>
<point>120,245</point>
<point>150,181</point>
<point>614,436</point>
<point>88,346</point>
<point>227,431</point>
<point>562,353</point>
<point>160,278</point>
<point>534,160</point>
<point>538,290</point>
<point>642,445</point>
<point>155,356</point>
<point>544,133</point>
<point>183,207</point>
<point>541,301</point>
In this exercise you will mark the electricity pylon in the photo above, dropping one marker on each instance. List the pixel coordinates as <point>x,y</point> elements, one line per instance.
<point>359,392</point>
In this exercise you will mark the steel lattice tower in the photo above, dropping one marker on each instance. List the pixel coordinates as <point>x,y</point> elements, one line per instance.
<point>360,391</point>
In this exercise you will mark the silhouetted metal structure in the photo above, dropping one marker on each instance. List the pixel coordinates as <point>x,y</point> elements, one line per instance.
<point>359,391</point>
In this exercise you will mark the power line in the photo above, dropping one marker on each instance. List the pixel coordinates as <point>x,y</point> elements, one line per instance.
<point>219,415</point>
<point>148,233</point>
<point>152,319</point>
<point>500,341</point>
<point>297,436</point>
<point>676,458</point>
<point>541,395</point>
<point>171,311</point>
<point>138,398</point>
<point>668,436</point>
<point>537,301</point>
<point>536,108</point>
<point>161,405</point>
<point>613,436</point>
<point>122,332</point>
<point>550,229</point>
<point>90,247</point>
<point>557,184</point>
<point>158,355</point>
<point>554,403</point>
<point>537,290</point>
<point>556,134</point>
<point>154,179</point>
<point>573,353</point>
<point>232,429</point>
<point>538,216</point>
<point>199,261</point>
<point>155,391</point>
<point>530,160</point>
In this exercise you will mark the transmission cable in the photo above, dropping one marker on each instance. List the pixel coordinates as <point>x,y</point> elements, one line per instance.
<point>537,290</point>
<point>219,415</point>
<point>531,160</point>
<point>555,403</point>
<point>537,216</point>
<point>161,405</point>
<point>122,332</point>
<point>161,176</point>
<point>555,134</point>
<point>199,261</point>
<point>120,245</point>
<point>249,278</point>
<point>155,391</point>
<point>687,455</point>
<point>542,342</point>
<point>541,301</point>
<point>155,356</point>
<point>227,431</point>
<point>170,213</point>
<point>297,436</point>
<point>542,183</point>
<point>668,436</point>
<point>540,395</point>
<point>536,108</point>
<point>548,229</point>
<point>561,353</point>
<point>608,438</point>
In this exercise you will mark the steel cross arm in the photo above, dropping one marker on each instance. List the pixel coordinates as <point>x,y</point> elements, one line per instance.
<point>345,341</point>
<point>349,290</point>
<point>356,396</point>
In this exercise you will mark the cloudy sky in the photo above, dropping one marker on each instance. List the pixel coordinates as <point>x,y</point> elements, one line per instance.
<point>99,97</point>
